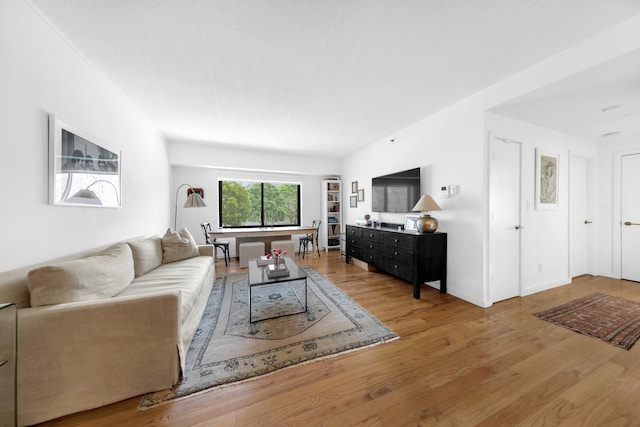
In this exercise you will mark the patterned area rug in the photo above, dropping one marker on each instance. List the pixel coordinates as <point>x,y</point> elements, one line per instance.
<point>227,348</point>
<point>609,318</point>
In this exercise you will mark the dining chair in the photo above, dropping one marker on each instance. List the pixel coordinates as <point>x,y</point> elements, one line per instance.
<point>223,245</point>
<point>310,238</point>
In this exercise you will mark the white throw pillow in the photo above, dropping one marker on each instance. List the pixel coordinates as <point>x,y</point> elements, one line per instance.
<point>147,254</point>
<point>178,246</point>
<point>91,278</point>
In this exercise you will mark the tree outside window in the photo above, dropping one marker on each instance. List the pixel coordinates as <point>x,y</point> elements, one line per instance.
<point>258,204</point>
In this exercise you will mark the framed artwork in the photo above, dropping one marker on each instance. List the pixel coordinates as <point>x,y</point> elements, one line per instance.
<point>410,222</point>
<point>546,180</point>
<point>354,187</point>
<point>82,171</point>
<point>191,190</point>
<point>353,201</point>
<point>361,195</point>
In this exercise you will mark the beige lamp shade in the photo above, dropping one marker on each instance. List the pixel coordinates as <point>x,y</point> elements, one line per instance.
<point>194,201</point>
<point>426,223</point>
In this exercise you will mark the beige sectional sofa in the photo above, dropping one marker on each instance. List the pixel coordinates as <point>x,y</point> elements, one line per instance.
<point>108,324</point>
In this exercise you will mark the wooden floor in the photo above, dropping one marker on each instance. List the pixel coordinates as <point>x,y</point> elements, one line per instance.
<point>455,365</point>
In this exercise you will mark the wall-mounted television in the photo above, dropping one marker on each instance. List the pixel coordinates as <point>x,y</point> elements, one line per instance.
<point>397,192</point>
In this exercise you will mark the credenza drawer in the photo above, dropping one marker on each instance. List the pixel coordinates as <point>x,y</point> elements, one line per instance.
<point>399,240</point>
<point>398,254</point>
<point>375,235</point>
<point>399,269</point>
<point>354,232</point>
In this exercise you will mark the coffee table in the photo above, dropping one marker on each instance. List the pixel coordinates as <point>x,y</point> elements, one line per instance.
<point>258,277</point>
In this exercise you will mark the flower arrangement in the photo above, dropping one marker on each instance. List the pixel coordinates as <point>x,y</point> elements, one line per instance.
<point>276,254</point>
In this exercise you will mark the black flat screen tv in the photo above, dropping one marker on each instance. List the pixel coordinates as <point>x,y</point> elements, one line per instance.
<point>398,192</point>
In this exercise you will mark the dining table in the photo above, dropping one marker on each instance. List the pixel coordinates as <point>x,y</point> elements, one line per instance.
<point>263,234</point>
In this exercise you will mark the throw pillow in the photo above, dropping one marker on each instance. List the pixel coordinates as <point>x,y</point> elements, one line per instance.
<point>147,254</point>
<point>178,246</point>
<point>85,279</point>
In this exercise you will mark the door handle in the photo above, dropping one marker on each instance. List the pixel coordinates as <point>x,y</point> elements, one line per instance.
<point>519,227</point>
<point>588,222</point>
<point>627,223</point>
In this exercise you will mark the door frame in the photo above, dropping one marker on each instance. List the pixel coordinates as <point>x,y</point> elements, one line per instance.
<point>616,217</point>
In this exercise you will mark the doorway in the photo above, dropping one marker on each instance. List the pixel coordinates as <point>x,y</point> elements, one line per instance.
<point>630,217</point>
<point>581,228</point>
<point>504,218</point>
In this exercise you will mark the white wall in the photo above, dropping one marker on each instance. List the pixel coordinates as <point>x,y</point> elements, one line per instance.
<point>186,153</point>
<point>451,147</point>
<point>207,179</point>
<point>42,74</point>
<point>545,237</point>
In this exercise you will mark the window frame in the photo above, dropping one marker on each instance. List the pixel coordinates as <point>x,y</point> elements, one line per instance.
<point>262,219</point>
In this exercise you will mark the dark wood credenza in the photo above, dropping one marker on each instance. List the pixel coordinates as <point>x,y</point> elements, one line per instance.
<point>409,255</point>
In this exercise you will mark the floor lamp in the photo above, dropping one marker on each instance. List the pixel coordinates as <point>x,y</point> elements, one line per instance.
<point>194,200</point>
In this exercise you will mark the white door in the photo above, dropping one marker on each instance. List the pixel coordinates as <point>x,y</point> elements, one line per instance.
<point>630,213</point>
<point>581,221</point>
<point>504,217</point>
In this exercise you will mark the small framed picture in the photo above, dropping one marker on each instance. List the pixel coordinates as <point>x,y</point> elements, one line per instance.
<point>354,186</point>
<point>353,201</point>
<point>361,195</point>
<point>546,180</point>
<point>410,222</point>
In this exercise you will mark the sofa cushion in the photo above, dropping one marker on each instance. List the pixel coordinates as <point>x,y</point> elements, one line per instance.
<point>178,246</point>
<point>186,276</point>
<point>147,254</point>
<point>95,277</point>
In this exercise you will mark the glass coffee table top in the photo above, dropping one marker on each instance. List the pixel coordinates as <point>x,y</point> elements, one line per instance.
<point>296,281</point>
<point>258,274</point>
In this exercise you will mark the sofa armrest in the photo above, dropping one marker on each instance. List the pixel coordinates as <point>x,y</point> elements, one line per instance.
<point>205,250</point>
<point>78,356</point>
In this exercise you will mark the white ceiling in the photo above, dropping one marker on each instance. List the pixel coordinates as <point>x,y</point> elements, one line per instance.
<point>315,76</point>
<point>602,100</point>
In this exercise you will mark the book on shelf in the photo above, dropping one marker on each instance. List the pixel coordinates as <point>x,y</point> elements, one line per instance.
<point>280,270</point>
<point>264,260</point>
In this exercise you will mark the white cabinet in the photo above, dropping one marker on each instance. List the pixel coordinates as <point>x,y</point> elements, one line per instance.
<point>331,214</point>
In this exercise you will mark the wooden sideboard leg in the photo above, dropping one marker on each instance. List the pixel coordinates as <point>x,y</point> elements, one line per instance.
<point>416,290</point>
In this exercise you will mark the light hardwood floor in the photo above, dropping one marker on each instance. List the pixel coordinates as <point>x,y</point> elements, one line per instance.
<point>455,365</point>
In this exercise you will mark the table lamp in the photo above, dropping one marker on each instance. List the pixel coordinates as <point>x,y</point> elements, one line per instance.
<point>426,223</point>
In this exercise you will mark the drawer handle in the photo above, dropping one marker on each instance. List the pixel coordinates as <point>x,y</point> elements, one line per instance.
<point>370,246</point>
<point>395,253</point>
<point>396,240</point>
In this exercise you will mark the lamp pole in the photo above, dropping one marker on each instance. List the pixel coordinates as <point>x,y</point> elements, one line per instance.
<point>175,215</point>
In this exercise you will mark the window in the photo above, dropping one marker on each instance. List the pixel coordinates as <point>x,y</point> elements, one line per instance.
<point>258,204</point>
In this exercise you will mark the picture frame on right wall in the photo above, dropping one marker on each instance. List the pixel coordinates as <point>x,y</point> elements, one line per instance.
<point>547,182</point>
<point>353,201</point>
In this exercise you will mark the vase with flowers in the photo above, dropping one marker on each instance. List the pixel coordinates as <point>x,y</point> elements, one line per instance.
<point>276,254</point>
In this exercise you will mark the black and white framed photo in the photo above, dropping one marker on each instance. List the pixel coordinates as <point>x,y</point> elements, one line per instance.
<point>361,195</point>
<point>546,180</point>
<point>410,222</point>
<point>82,170</point>
<point>353,201</point>
<point>354,187</point>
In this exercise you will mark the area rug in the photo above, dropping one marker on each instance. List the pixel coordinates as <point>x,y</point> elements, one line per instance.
<point>609,318</point>
<point>228,349</point>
